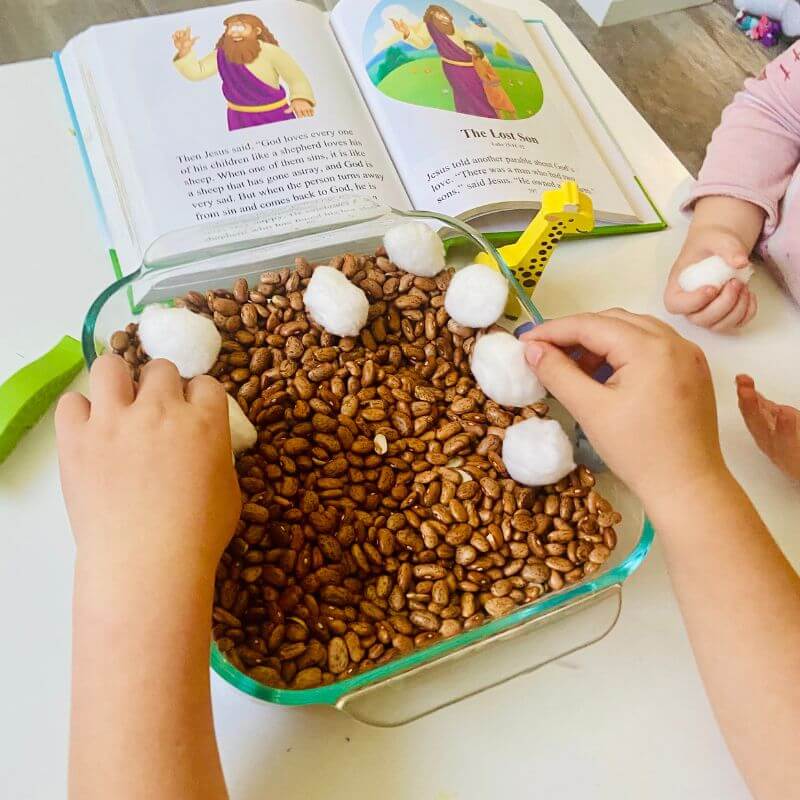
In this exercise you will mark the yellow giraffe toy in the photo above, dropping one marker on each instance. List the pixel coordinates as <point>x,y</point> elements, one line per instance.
<point>564,210</point>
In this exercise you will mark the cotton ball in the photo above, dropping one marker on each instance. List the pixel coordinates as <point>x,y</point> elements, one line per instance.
<point>337,305</point>
<point>191,342</point>
<point>476,296</point>
<point>499,366</point>
<point>243,432</point>
<point>537,452</point>
<point>711,271</point>
<point>416,248</point>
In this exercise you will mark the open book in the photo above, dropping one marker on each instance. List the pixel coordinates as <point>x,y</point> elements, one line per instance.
<point>207,114</point>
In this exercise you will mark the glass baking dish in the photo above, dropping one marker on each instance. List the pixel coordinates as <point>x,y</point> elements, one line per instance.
<point>213,256</point>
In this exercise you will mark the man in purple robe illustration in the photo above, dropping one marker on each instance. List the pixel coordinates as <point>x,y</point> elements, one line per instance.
<point>261,82</point>
<point>437,28</point>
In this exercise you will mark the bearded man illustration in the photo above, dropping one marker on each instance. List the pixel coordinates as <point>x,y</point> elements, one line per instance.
<point>261,82</point>
<point>438,29</point>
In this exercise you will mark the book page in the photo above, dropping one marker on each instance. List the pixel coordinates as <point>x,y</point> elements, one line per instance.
<point>221,111</point>
<point>595,126</point>
<point>469,108</point>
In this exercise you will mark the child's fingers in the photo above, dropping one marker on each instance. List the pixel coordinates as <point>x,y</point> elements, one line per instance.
<point>676,301</point>
<point>207,392</point>
<point>110,384</point>
<point>767,417</point>
<point>643,321</point>
<point>159,380</point>
<point>747,396</point>
<point>744,381</point>
<point>718,308</point>
<point>752,416</point>
<point>72,410</point>
<point>786,423</point>
<point>741,308</point>
<point>563,378</point>
<point>734,317</point>
<point>733,253</point>
<point>588,362</point>
<point>614,339</point>
<point>752,309</point>
<point>745,389</point>
<point>769,410</point>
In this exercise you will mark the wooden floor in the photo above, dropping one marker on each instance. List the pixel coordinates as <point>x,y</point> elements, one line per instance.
<point>679,69</point>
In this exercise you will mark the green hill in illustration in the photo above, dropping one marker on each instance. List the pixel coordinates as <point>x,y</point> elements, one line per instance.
<point>422,83</point>
<point>380,65</point>
<point>393,59</point>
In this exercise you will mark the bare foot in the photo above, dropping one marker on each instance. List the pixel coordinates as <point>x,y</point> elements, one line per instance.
<point>775,428</point>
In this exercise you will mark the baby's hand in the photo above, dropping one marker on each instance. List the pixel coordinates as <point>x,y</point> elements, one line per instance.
<point>775,428</point>
<point>722,310</point>
<point>146,472</point>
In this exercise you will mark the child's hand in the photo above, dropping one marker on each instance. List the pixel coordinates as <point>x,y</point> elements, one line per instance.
<point>722,310</point>
<point>775,428</point>
<point>147,473</point>
<point>654,421</point>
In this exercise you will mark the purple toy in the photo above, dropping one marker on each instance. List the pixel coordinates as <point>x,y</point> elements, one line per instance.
<point>763,29</point>
<point>767,31</point>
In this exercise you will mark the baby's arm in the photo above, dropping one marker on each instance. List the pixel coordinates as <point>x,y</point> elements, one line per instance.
<point>153,500</point>
<point>749,163</point>
<point>739,597</point>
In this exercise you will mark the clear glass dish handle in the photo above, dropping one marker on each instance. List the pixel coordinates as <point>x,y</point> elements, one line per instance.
<point>488,663</point>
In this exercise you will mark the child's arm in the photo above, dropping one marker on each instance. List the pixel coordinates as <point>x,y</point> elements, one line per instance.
<point>153,499</point>
<point>749,163</point>
<point>654,422</point>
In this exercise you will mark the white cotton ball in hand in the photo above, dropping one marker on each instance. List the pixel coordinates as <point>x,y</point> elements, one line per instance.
<point>711,271</point>
<point>416,248</point>
<point>499,366</point>
<point>339,306</point>
<point>476,296</point>
<point>191,342</point>
<point>537,452</point>
<point>243,432</point>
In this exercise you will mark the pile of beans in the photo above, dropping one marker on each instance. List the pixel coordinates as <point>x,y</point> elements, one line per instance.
<point>377,514</point>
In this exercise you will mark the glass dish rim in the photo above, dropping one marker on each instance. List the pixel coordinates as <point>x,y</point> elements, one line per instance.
<point>334,692</point>
<point>465,231</point>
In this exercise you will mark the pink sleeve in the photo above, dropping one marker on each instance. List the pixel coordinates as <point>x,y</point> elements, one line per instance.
<point>755,150</point>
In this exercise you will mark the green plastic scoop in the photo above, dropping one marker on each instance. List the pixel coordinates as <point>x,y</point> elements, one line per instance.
<point>28,393</point>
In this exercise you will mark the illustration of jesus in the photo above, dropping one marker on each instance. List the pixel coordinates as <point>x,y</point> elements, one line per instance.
<point>255,72</point>
<point>437,28</point>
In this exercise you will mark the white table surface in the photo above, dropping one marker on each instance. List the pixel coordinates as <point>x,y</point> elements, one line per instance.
<point>625,718</point>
